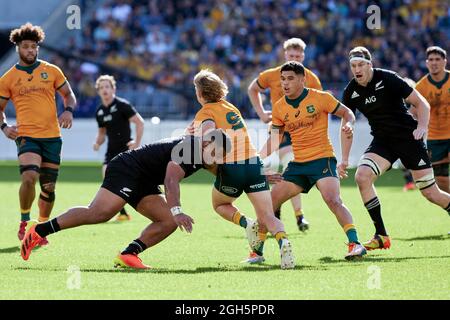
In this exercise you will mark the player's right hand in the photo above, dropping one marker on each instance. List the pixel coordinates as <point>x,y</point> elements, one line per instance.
<point>184,221</point>
<point>266,117</point>
<point>96,146</point>
<point>342,169</point>
<point>10,132</point>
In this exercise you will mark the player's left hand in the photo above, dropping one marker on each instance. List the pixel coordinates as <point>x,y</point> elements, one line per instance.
<point>190,130</point>
<point>65,120</point>
<point>132,145</point>
<point>420,133</point>
<point>342,169</point>
<point>348,129</point>
<point>184,221</point>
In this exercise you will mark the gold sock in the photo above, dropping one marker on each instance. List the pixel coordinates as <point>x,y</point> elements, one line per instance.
<point>262,236</point>
<point>298,213</point>
<point>280,235</point>
<point>237,217</point>
<point>348,227</point>
<point>42,219</point>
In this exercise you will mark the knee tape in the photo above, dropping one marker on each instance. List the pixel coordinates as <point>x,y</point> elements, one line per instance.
<point>371,164</point>
<point>29,167</point>
<point>47,181</point>
<point>425,181</point>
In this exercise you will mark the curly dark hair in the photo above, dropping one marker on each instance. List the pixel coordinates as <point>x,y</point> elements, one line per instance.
<point>27,32</point>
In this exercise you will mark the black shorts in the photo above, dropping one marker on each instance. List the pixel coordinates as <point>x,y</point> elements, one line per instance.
<point>112,152</point>
<point>129,184</point>
<point>412,153</point>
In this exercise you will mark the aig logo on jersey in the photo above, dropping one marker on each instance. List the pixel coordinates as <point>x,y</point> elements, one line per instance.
<point>371,99</point>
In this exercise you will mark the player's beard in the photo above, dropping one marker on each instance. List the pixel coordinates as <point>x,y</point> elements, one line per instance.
<point>27,59</point>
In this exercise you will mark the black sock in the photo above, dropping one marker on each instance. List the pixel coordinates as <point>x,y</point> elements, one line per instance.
<point>278,213</point>
<point>123,212</point>
<point>46,228</point>
<point>448,208</point>
<point>374,208</point>
<point>135,247</point>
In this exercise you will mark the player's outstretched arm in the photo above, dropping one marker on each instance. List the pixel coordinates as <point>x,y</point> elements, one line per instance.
<point>422,112</point>
<point>66,118</point>
<point>273,142</point>
<point>346,132</point>
<point>254,93</point>
<point>174,174</point>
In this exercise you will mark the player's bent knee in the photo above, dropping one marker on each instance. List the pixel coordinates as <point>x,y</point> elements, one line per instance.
<point>47,196</point>
<point>30,174</point>
<point>367,168</point>
<point>440,170</point>
<point>363,176</point>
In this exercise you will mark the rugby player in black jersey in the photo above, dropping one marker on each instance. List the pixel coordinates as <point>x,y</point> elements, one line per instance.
<point>134,177</point>
<point>114,116</point>
<point>380,95</point>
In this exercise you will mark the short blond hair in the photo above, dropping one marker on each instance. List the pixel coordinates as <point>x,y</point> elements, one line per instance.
<point>210,86</point>
<point>105,77</point>
<point>294,43</point>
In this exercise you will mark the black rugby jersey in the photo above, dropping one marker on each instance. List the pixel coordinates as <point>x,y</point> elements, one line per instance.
<point>382,102</point>
<point>150,160</point>
<point>115,118</point>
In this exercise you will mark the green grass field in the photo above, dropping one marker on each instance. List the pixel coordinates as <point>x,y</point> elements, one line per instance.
<point>206,264</point>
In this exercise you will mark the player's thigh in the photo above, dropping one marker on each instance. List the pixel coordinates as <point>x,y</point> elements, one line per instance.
<point>219,198</point>
<point>30,158</point>
<point>329,188</point>
<point>155,208</point>
<point>261,201</point>
<point>283,191</point>
<point>106,203</point>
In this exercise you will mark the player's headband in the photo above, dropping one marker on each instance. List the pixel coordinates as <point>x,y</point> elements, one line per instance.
<point>357,56</point>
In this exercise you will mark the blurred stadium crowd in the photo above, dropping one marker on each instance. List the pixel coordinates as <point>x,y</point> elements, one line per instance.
<point>164,43</point>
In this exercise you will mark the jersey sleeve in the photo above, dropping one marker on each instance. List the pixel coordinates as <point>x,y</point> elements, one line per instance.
<point>398,85</point>
<point>203,115</point>
<point>329,103</point>
<point>128,110</point>
<point>277,119</point>
<point>4,89</point>
<point>60,78</point>
<point>263,80</point>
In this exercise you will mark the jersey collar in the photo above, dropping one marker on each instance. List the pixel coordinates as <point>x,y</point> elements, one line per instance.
<point>296,102</point>
<point>439,84</point>
<point>28,69</point>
